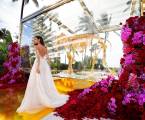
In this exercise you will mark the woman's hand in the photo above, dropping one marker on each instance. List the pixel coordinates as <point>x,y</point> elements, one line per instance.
<point>38,70</point>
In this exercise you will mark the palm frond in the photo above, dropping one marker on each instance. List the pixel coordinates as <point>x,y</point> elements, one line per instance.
<point>27,1</point>
<point>128,3</point>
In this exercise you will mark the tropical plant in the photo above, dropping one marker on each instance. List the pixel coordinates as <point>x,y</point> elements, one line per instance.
<point>5,35</point>
<point>23,4</point>
<point>128,3</point>
<point>86,25</point>
<point>27,1</point>
<point>25,52</point>
<point>6,39</point>
<point>104,22</point>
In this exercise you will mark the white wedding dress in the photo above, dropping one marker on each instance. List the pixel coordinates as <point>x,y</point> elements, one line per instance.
<point>41,91</point>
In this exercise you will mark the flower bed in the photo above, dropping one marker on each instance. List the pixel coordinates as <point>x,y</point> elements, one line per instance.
<point>122,99</point>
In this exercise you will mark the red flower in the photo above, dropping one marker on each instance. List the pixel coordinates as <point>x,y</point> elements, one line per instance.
<point>131,20</point>
<point>122,61</point>
<point>94,104</point>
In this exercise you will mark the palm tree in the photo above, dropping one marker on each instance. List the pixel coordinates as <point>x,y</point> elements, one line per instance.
<point>86,25</point>
<point>5,36</point>
<point>132,4</point>
<point>27,1</point>
<point>104,23</point>
<point>23,4</point>
<point>22,10</point>
<point>128,3</point>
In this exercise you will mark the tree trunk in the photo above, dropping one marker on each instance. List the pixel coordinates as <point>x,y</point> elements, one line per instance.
<point>21,17</point>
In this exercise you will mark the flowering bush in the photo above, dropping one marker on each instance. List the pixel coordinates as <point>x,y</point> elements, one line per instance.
<point>25,62</point>
<point>122,99</point>
<point>112,105</point>
<point>12,73</point>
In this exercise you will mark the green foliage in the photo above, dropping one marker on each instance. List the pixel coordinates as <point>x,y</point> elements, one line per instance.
<point>78,66</point>
<point>63,66</point>
<point>6,38</point>
<point>99,65</point>
<point>55,64</point>
<point>5,35</point>
<point>87,63</point>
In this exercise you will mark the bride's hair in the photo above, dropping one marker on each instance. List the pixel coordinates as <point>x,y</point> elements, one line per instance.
<point>41,40</point>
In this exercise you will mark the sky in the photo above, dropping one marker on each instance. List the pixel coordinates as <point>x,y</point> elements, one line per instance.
<point>9,16</point>
<point>68,14</point>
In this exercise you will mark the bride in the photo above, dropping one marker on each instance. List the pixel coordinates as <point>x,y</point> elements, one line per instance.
<point>41,91</point>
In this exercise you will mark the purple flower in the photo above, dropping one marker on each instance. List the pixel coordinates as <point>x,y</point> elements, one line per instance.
<point>104,89</point>
<point>142,76</point>
<point>17,49</point>
<point>128,98</point>
<point>133,81</point>
<point>136,97</point>
<point>125,33</point>
<point>141,98</point>
<point>85,91</point>
<point>15,59</point>
<point>129,59</point>
<point>5,77</point>
<point>112,105</point>
<point>6,64</point>
<point>107,82</point>
<point>137,38</point>
<point>14,71</point>
<point>144,39</point>
<point>95,85</point>
<point>10,47</point>
<point>11,81</point>
<point>104,83</point>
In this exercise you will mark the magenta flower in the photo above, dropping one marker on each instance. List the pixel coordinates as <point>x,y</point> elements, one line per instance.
<point>129,59</point>
<point>10,47</point>
<point>6,64</point>
<point>11,81</point>
<point>133,81</point>
<point>12,64</point>
<point>141,98</point>
<point>128,98</point>
<point>85,91</point>
<point>142,76</point>
<point>137,38</point>
<point>95,85</point>
<point>104,89</point>
<point>125,33</point>
<point>14,71</point>
<point>112,105</point>
<point>136,97</point>
<point>16,59</point>
<point>17,49</point>
<point>103,85</point>
<point>143,39</point>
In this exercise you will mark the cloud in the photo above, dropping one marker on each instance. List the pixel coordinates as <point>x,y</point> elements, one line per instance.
<point>10,15</point>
